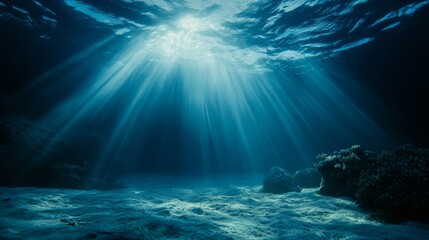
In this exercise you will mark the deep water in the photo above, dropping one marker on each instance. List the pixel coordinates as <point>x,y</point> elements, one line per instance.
<point>120,99</point>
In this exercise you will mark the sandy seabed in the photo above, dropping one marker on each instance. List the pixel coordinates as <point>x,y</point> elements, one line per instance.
<point>154,209</point>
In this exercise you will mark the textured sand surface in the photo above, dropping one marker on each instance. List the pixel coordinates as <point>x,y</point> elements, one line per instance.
<point>147,211</point>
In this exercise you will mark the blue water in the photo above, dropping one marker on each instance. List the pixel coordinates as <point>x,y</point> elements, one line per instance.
<point>211,87</point>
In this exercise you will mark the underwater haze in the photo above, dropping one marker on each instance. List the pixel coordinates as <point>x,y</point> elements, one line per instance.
<point>203,87</point>
<point>136,95</point>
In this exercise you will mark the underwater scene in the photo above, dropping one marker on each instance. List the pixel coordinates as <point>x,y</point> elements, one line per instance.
<point>214,119</point>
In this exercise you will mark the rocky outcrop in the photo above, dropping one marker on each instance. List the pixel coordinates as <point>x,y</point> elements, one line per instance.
<point>341,171</point>
<point>393,186</point>
<point>308,178</point>
<point>280,181</point>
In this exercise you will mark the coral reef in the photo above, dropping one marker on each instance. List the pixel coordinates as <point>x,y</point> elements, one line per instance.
<point>393,186</point>
<point>308,178</point>
<point>280,181</point>
<point>341,171</point>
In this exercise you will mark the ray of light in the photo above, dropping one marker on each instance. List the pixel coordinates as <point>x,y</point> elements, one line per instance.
<point>229,114</point>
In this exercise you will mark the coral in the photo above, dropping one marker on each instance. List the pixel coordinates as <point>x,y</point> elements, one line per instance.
<point>393,186</point>
<point>341,171</point>
<point>308,178</point>
<point>396,185</point>
<point>279,182</point>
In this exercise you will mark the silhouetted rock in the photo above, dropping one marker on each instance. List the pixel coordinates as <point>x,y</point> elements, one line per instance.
<point>280,182</point>
<point>308,178</point>
<point>341,171</point>
<point>393,186</point>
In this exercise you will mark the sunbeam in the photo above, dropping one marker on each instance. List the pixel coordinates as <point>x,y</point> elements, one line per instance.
<point>196,119</point>
<point>186,75</point>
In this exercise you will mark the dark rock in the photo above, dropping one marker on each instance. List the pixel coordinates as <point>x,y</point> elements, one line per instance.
<point>279,182</point>
<point>341,171</point>
<point>278,170</point>
<point>308,178</point>
<point>395,186</point>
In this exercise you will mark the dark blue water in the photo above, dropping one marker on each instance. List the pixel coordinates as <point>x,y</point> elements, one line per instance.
<point>99,88</point>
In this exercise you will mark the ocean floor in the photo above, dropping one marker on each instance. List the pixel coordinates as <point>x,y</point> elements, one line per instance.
<point>163,208</point>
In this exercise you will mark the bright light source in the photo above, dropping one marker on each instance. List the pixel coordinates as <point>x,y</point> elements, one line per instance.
<point>187,40</point>
<point>190,24</point>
